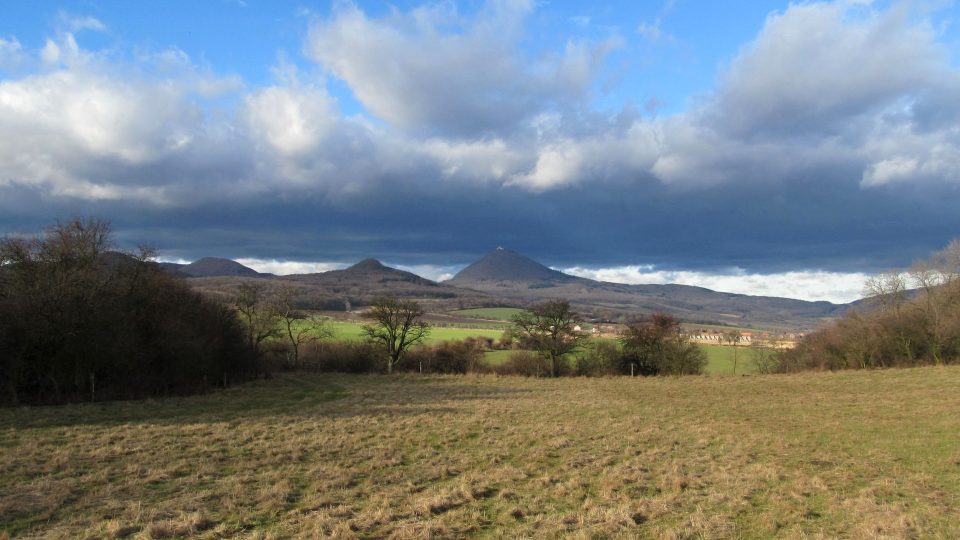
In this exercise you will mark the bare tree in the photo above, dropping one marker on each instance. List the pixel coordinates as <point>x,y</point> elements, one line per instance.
<point>552,329</point>
<point>947,262</point>
<point>733,338</point>
<point>765,354</point>
<point>300,328</point>
<point>258,315</point>
<point>887,290</point>
<point>396,325</point>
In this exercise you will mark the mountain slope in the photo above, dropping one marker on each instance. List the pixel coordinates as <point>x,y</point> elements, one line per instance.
<point>514,277</point>
<point>370,274</point>
<point>503,264</point>
<point>211,267</point>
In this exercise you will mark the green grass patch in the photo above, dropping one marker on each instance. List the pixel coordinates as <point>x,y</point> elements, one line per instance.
<point>720,360</point>
<point>496,358</point>
<point>345,331</point>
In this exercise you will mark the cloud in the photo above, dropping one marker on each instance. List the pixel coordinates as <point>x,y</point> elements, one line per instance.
<point>292,121</point>
<point>831,140</point>
<point>823,86</point>
<point>11,53</point>
<point>432,70</point>
<point>653,33</point>
<point>77,24</point>
<point>813,285</point>
<point>283,268</point>
<point>430,271</point>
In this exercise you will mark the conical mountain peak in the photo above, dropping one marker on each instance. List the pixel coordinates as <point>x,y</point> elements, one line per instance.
<point>503,264</point>
<point>368,264</point>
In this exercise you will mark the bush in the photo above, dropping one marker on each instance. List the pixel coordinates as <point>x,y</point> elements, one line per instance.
<point>524,363</point>
<point>656,346</point>
<point>345,357</point>
<point>447,357</point>
<point>896,327</point>
<point>599,358</point>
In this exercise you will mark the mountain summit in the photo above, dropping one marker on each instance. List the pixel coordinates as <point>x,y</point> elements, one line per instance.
<point>212,267</point>
<point>368,265</point>
<point>503,264</point>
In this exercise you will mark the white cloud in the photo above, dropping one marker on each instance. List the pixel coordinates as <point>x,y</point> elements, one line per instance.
<point>484,160</point>
<point>837,287</point>
<point>11,53</point>
<point>430,271</point>
<point>432,70</point>
<point>283,268</point>
<point>823,86</point>
<point>653,33</point>
<point>76,24</point>
<point>889,170</point>
<point>292,121</point>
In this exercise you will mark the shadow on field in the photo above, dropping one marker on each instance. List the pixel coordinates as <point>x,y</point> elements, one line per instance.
<point>288,395</point>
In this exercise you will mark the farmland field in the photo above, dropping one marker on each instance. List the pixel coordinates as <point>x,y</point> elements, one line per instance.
<point>857,454</point>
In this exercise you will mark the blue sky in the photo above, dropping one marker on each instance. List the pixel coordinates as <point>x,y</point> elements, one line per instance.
<point>758,147</point>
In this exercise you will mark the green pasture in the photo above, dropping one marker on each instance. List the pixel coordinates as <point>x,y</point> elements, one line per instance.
<point>346,331</point>
<point>720,360</point>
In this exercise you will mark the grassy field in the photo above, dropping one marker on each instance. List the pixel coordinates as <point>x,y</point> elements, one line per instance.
<point>858,454</point>
<point>493,313</point>
<point>343,330</point>
<point>720,360</point>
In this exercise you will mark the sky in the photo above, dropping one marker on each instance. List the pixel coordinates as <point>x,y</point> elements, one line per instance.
<point>787,149</point>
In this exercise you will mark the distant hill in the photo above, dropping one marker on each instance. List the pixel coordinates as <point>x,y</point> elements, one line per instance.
<point>349,288</point>
<point>503,264</point>
<point>514,277</point>
<point>506,278</point>
<point>213,266</point>
<point>372,275</point>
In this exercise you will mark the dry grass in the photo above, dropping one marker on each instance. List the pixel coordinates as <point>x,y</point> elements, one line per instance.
<point>857,454</point>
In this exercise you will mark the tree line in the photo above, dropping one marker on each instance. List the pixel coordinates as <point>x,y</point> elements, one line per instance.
<point>82,321</point>
<point>909,317</point>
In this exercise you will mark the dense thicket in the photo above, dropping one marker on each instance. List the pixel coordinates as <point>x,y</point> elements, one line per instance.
<point>81,322</point>
<point>656,345</point>
<point>911,317</point>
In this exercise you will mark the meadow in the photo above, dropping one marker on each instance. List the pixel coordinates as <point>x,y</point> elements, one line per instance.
<point>865,454</point>
<point>344,330</point>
